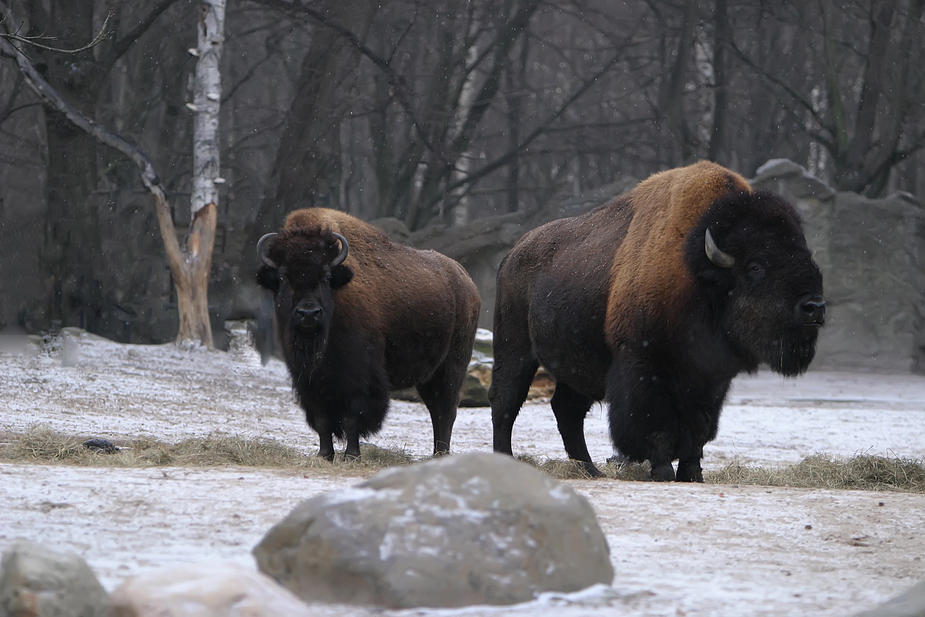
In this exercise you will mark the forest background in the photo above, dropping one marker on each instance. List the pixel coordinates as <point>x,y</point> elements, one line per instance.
<point>426,115</point>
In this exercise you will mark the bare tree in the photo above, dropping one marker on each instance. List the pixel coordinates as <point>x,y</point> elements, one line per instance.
<point>865,94</point>
<point>190,264</point>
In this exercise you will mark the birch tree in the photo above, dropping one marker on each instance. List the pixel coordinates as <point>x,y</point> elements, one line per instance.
<point>189,264</point>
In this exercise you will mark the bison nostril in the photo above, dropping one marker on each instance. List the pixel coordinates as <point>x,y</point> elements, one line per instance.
<point>307,317</point>
<point>812,310</point>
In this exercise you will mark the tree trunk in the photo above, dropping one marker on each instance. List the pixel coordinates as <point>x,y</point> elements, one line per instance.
<point>671,103</point>
<point>308,154</point>
<point>193,279</point>
<point>191,267</point>
<point>720,87</point>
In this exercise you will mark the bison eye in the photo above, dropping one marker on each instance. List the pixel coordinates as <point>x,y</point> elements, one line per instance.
<point>756,271</point>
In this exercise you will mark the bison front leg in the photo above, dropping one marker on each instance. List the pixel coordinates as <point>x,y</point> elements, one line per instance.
<point>689,470</point>
<point>353,446</point>
<point>326,451</point>
<point>351,424</point>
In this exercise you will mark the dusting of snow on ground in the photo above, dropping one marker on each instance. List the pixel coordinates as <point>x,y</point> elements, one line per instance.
<point>677,549</point>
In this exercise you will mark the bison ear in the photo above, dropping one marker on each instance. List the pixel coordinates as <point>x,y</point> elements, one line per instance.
<point>340,276</point>
<point>268,278</point>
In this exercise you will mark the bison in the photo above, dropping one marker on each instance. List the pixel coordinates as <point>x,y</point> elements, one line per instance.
<point>358,315</point>
<point>654,302</point>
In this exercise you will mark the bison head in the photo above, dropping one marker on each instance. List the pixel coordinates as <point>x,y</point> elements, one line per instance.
<point>302,268</point>
<point>759,281</point>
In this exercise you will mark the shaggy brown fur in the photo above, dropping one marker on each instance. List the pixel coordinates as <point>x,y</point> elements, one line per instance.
<point>393,317</point>
<point>624,304</point>
<point>649,275</point>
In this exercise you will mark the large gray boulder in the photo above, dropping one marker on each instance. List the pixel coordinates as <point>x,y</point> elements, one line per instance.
<point>470,529</point>
<point>213,589</point>
<point>910,603</point>
<point>36,581</point>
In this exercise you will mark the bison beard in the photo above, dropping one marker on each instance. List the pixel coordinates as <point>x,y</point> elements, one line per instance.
<point>654,302</point>
<point>358,315</point>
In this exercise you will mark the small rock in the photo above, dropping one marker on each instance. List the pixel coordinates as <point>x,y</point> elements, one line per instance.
<point>216,589</point>
<point>36,581</point>
<point>70,350</point>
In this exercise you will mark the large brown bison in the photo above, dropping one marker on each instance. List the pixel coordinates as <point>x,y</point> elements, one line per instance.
<point>654,302</point>
<point>358,315</point>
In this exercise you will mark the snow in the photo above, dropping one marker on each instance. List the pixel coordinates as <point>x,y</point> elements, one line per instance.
<point>678,549</point>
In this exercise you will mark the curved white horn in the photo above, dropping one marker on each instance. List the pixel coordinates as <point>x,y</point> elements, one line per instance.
<point>262,249</point>
<point>344,248</point>
<point>721,259</point>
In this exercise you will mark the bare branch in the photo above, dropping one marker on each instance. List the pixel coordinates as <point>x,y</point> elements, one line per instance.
<point>34,40</point>
<point>53,99</point>
<point>544,127</point>
<point>403,92</point>
<point>122,45</point>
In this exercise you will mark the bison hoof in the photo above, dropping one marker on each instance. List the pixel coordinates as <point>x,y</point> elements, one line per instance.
<point>663,472</point>
<point>589,469</point>
<point>689,472</point>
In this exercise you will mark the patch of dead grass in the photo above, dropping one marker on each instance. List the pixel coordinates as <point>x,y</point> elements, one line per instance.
<point>862,472</point>
<point>47,446</point>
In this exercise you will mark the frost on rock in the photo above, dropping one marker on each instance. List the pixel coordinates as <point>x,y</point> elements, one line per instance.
<point>470,529</point>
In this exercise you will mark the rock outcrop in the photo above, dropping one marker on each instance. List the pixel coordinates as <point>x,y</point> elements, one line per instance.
<point>471,529</point>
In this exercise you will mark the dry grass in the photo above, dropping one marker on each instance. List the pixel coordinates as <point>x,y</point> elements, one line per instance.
<point>862,472</point>
<point>566,469</point>
<point>46,446</point>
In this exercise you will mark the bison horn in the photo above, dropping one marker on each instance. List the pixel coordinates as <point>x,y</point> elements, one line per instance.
<point>344,247</point>
<point>262,249</point>
<point>721,259</point>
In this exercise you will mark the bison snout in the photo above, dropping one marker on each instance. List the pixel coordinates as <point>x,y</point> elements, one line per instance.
<point>308,317</point>
<point>810,311</point>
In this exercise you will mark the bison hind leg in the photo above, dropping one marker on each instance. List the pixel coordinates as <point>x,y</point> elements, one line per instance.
<point>511,378</point>
<point>663,472</point>
<point>441,396</point>
<point>570,408</point>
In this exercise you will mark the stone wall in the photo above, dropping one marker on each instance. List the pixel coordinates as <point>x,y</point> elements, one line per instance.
<point>871,252</point>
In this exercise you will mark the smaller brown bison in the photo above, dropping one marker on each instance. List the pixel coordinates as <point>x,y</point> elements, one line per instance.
<point>358,315</point>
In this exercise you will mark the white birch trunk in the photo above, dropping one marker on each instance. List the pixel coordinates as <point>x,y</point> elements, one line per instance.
<point>207,94</point>
<point>192,279</point>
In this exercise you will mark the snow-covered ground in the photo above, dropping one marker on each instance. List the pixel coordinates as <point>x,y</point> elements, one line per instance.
<point>677,549</point>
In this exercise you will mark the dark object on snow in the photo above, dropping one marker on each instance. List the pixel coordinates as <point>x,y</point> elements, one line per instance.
<point>101,445</point>
<point>358,315</point>
<point>654,302</point>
